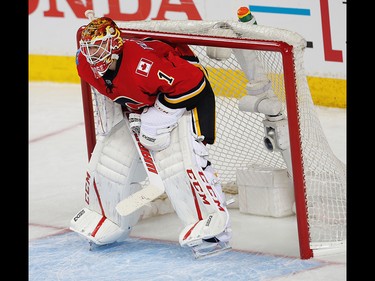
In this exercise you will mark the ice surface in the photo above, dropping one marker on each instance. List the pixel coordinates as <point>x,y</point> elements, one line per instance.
<point>264,248</point>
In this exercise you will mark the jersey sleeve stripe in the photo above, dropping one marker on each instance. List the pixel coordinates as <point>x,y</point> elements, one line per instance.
<point>188,95</point>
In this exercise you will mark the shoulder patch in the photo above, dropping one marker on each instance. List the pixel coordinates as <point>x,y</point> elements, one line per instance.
<point>144,67</point>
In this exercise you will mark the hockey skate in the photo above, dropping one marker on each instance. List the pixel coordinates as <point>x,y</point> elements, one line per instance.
<point>210,247</point>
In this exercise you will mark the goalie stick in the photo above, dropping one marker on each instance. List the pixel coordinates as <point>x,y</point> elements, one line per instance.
<point>153,190</point>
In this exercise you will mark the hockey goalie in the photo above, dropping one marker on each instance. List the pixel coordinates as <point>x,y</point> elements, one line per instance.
<point>165,118</point>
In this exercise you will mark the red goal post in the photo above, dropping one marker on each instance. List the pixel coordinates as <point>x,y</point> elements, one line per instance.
<point>319,178</point>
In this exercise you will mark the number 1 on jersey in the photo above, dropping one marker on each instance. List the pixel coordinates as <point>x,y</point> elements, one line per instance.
<point>163,76</point>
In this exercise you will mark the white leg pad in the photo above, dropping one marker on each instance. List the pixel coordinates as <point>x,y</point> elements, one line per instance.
<point>86,223</point>
<point>198,204</point>
<point>177,186</point>
<point>112,175</point>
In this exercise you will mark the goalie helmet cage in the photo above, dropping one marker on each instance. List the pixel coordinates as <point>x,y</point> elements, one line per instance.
<point>319,177</point>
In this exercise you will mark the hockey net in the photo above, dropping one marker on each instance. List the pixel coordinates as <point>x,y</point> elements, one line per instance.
<point>319,177</point>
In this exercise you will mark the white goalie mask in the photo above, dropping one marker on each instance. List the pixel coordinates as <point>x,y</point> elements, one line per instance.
<point>100,43</point>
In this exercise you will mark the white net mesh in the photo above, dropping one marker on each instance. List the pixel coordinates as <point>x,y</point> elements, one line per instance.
<point>239,140</point>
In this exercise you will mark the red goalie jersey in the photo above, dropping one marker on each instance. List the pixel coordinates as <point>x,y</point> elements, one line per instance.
<point>148,69</point>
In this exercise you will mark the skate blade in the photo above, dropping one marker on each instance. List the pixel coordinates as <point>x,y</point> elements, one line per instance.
<point>207,249</point>
<point>95,247</point>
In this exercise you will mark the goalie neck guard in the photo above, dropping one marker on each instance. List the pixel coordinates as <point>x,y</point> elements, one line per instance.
<point>101,43</point>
